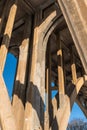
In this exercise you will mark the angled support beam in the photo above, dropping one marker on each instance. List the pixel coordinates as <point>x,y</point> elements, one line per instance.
<point>7,120</point>
<point>18,23</point>
<point>81,106</point>
<point>80,82</point>
<point>7,34</point>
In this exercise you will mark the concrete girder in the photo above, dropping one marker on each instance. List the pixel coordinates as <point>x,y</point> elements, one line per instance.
<point>74,12</point>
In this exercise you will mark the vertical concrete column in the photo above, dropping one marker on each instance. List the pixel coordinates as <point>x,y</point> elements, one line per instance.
<point>73,68</point>
<point>49,82</point>
<point>7,34</point>
<point>20,83</point>
<point>34,96</point>
<point>46,118</point>
<point>48,88</point>
<point>60,72</point>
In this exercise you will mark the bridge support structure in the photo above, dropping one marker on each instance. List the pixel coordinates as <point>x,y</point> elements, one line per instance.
<point>50,44</point>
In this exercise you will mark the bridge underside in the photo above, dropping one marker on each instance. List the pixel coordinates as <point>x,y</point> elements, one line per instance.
<point>48,38</point>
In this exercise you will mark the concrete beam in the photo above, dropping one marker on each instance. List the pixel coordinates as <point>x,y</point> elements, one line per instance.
<point>7,34</point>
<point>76,19</point>
<point>84,110</point>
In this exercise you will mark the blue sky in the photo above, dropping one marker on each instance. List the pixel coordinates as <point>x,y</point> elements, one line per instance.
<point>9,74</point>
<point>77,113</point>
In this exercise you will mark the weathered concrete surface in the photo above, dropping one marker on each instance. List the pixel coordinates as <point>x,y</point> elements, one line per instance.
<point>7,119</point>
<point>7,34</point>
<point>29,99</point>
<point>19,95</point>
<point>75,15</point>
